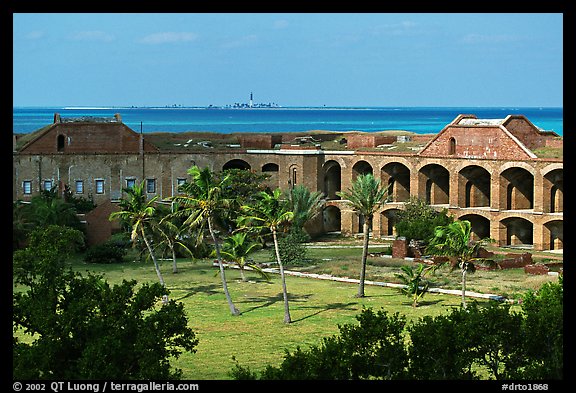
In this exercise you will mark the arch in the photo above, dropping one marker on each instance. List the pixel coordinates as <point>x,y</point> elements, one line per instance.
<point>332,179</point>
<point>519,231</point>
<point>517,189</point>
<point>452,146</point>
<point>553,189</point>
<point>434,182</point>
<point>473,187</point>
<point>236,164</point>
<point>331,218</point>
<point>396,177</point>
<point>270,167</point>
<point>388,220</point>
<point>480,225</point>
<point>361,168</point>
<point>554,234</point>
<point>60,142</point>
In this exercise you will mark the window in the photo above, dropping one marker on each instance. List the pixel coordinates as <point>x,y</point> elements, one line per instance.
<point>150,186</point>
<point>47,186</point>
<point>452,147</point>
<point>79,186</point>
<point>60,142</point>
<point>180,181</point>
<point>130,183</point>
<point>27,187</point>
<point>99,186</point>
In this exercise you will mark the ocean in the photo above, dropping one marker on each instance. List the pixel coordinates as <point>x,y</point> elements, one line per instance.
<point>422,120</point>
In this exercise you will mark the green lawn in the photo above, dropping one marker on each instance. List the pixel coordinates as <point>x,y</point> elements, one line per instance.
<point>259,337</point>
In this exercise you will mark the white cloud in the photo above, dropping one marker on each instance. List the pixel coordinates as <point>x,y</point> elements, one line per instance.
<point>487,38</point>
<point>241,41</point>
<point>281,24</point>
<point>94,35</point>
<point>34,35</point>
<point>168,37</point>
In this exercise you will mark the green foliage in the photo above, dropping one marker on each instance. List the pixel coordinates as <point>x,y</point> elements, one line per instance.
<point>372,349</point>
<point>418,220</point>
<point>416,285</point>
<point>304,204</point>
<point>108,252</point>
<point>83,328</point>
<point>291,247</point>
<point>478,342</point>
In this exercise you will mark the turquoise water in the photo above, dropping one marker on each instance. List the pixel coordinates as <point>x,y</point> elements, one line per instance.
<point>416,119</point>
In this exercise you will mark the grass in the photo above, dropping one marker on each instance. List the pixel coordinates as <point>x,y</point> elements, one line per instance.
<point>258,336</point>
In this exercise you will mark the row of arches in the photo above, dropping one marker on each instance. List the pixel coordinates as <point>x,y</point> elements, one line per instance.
<point>474,185</point>
<point>516,230</point>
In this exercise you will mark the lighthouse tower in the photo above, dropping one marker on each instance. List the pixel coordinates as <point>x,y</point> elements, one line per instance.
<point>251,102</point>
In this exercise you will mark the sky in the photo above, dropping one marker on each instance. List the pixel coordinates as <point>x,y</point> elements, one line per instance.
<point>291,59</point>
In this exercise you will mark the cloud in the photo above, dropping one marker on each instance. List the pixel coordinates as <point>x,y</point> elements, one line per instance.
<point>94,35</point>
<point>243,41</point>
<point>487,38</point>
<point>396,29</point>
<point>281,24</point>
<point>34,35</point>
<point>168,37</point>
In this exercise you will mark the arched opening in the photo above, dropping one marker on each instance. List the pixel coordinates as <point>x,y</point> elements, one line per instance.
<point>452,146</point>
<point>388,220</point>
<point>554,230</point>
<point>60,142</point>
<point>436,185</point>
<point>332,179</point>
<point>519,231</point>
<point>553,188</point>
<point>474,187</point>
<point>480,226</point>
<point>236,164</point>
<point>396,177</point>
<point>270,167</point>
<point>331,218</point>
<point>518,186</point>
<point>361,168</point>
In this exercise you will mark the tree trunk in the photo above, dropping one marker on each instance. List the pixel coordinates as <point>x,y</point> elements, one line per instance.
<point>366,231</point>
<point>174,266</point>
<point>464,269</point>
<point>158,273</point>
<point>233,308</point>
<point>287,318</point>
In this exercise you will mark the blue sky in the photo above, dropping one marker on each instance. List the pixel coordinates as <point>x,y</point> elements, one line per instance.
<point>292,59</point>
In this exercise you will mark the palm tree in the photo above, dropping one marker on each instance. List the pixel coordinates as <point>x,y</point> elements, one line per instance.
<point>365,196</point>
<point>201,203</point>
<point>237,248</point>
<point>139,212</point>
<point>271,211</point>
<point>454,240</point>
<point>305,204</point>
<point>171,232</point>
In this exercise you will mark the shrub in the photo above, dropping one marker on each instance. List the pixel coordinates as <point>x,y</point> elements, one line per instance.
<point>109,252</point>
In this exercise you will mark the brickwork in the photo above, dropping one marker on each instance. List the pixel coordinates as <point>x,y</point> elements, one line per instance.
<point>490,192</point>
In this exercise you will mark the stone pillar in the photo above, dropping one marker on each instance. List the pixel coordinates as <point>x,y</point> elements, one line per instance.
<point>498,232</point>
<point>539,193</point>
<point>454,190</point>
<point>495,193</point>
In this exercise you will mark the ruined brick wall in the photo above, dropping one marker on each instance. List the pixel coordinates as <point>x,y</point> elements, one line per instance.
<point>259,141</point>
<point>79,137</point>
<point>475,142</point>
<point>356,141</point>
<point>98,227</point>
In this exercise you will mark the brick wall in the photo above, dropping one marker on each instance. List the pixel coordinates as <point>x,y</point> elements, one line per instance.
<point>356,141</point>
<point>476,142</point>
<point>98,227</point>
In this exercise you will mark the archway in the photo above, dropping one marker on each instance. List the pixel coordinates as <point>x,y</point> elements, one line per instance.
<point>361,168</point>
<point>388,220</point>
<point>517,187</point>
<point>396,177</point>
<point>554,231</point>
<point>332,179</point>
<point>553,188</point>
<point>519,231</point>
<point>331,218</point>
<point>480,225</point>
<point>236,164</point>
<point>434,184</point>
<point>473,187</point>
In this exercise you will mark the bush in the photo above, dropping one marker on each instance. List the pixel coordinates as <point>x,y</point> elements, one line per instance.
<point>109,252</point>
<point>292,250</point>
